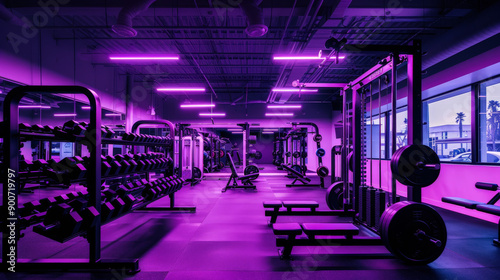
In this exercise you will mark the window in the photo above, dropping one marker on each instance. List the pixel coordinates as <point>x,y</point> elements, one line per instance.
<point>375,134</point>
<point>489,121</point>
<point>447,124</point>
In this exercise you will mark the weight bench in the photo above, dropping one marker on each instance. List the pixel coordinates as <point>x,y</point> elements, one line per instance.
<point>298,177</point>
<point>312,206</point>
<point>488,207</point>
<point>288,232</point>
<point>232,183</point>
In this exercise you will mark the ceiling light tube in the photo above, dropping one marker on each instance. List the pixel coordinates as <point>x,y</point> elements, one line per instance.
<point>212,114</point>
<point>293,90</point>
<point>279,114</point>
<point>270,129</point>
<point>197,105</point>
<point>235,129</point>
<point>179,89</point>
<point>155,57</point>
<point>85,107</point>
<point>267,132</point>
<point>113,115</point>
<point>34,107</point>
<point>236,132</point>
<point>64,115</point>
<point>284,106</point>
<point>297,58</point>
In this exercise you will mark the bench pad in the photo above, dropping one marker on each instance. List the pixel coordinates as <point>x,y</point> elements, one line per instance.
<point>330,229</point>
<point>272,204</point>
<point>287,229</point>
<point>301,204</point>
<point>471,204</point>
<point>488,208</point>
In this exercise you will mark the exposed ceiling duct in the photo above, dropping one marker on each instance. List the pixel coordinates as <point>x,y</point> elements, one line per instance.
<point>123,26</point>
<point>255,18</point>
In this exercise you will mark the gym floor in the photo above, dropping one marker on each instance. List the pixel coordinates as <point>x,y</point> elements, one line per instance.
<point>228,238</point>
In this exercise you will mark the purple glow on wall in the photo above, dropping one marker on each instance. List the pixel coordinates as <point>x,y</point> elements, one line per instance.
<point>212,114</point>
<point>279,114</point>
<point>143,57</point>
<point>180,89</point>
<point>197,105</point>
<point>64,115</point>
<point>293,90</point>
<point>34,107</point>
<point>85,107</point>
<point>284,106</point>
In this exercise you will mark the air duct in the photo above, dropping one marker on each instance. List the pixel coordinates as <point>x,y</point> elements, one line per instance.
<point>255,18</point>
<point>123,26</point>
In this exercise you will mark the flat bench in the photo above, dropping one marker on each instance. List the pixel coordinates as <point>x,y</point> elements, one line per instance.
<point>487,207</point>
<point>275,208</point>
<point>298,177</point>
<point>288,232</point>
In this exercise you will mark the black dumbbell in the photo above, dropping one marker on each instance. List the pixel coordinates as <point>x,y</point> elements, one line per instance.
<point>115,165</point>
<point>63,198</point>
<point>109,132</point>
<point>74,166</point>
<point>106,212</point>
<point>129,200</point>
<point>89,214</point>
<point>74,128</point>
<point>37,128</point>
<point>124,163</point>
<point>60,223</point>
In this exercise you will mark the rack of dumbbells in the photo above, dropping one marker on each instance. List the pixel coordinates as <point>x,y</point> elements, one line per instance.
<point>278,151</point>
<point>127,185</point>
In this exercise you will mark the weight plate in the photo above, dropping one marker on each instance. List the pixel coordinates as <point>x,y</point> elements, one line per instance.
<point>415,165</point>
<point>320,152</point>
<point>297,168</point>
<point>413,232</point>
<point>258,155</point>
<point>222,153</point>
<point>252,169</point>
<point>317,138</point>
<point>206,145</point>
<point>252,139</point>
<point>296,154</point>
<point>322,171</point>
<point>196,173</point>
<point>335,196</point>
<point>350,161</point>
<point>304,155</point>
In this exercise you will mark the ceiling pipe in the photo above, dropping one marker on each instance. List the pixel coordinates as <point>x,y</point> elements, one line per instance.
<point>123,25</point>
<point>255,18</point>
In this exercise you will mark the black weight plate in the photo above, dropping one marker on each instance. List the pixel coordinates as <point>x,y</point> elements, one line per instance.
<point>196,173</point>
<point>297,168</point>
<point>317,138</point>
<point>335,196</point>
<point>322,171</point>
<point>405,166</point>
<point>252,169</point>
<point>399,227</point>
<point>296,154</point>
<point>350,161</point>
<point>258,155</point>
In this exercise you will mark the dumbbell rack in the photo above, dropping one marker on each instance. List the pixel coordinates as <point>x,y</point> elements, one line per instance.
<point>11,186</point>
<point>171,127</point>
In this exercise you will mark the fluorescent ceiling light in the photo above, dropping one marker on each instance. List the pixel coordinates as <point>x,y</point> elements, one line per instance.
<point>113,115</point>
<point>197,105</point>
<point>303,57</point>
<point>179,89</point>
<point>145,57</point>
<point>284,106</point>
<point>85,107</point>
<point>279,114</point>
<point>34,107</point>
<point>235,129</point>
<point>64,115</point>
<point>212,114</point>
<point>293,90</point>
<point>267,132</point>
